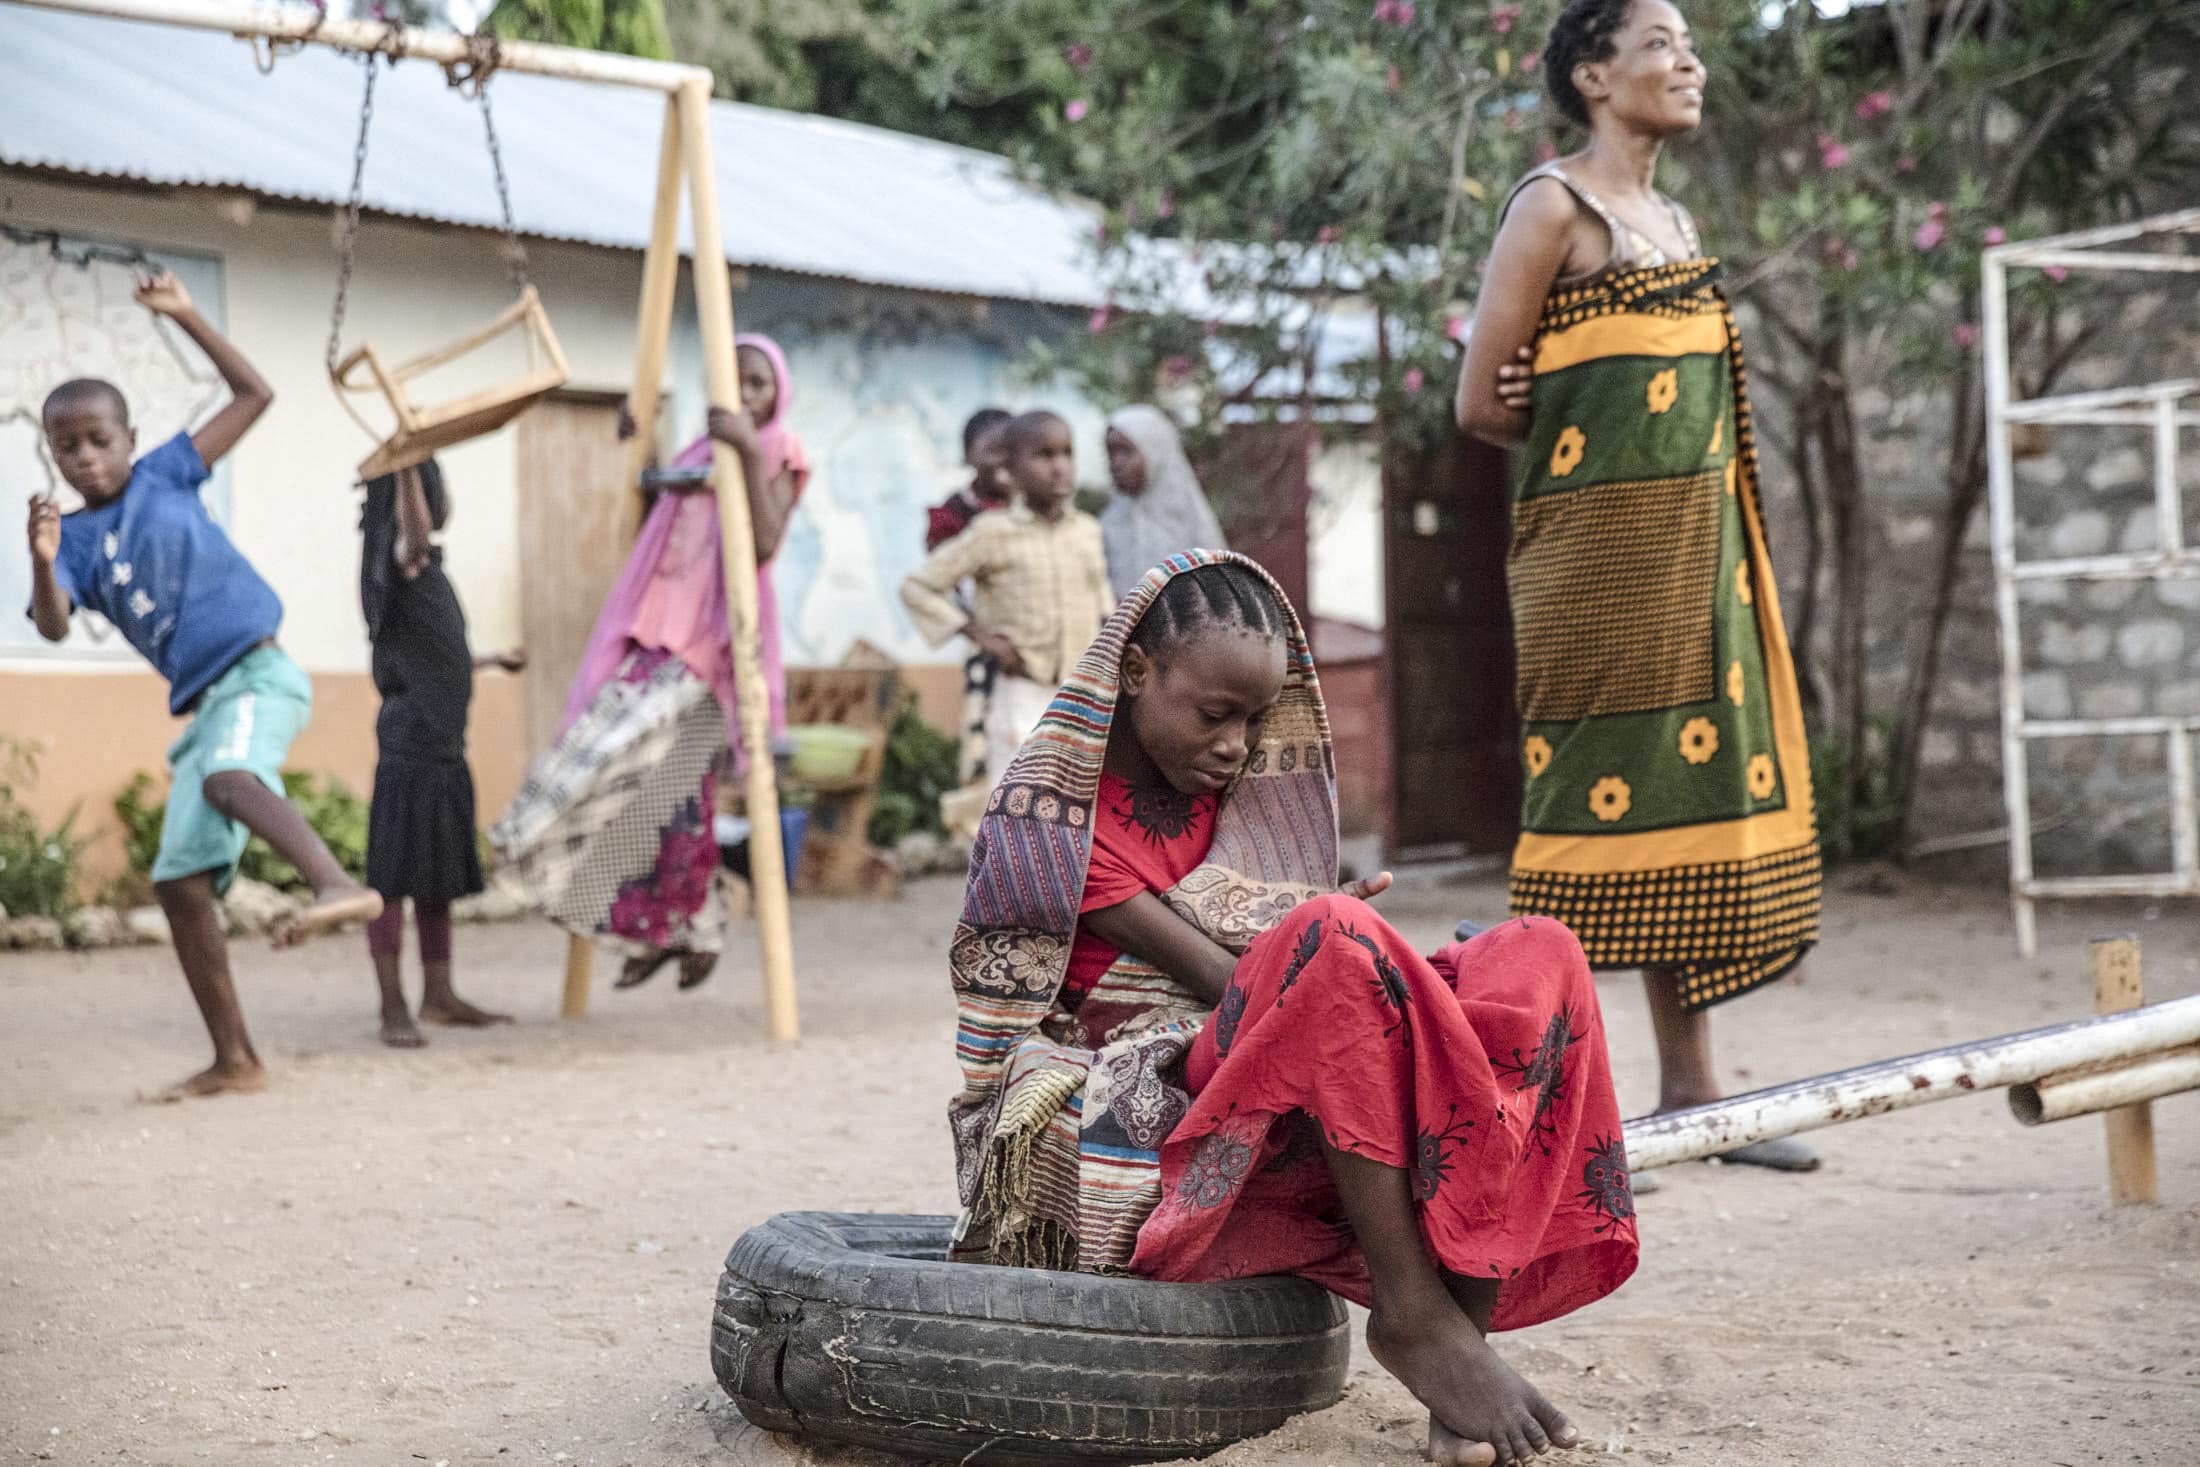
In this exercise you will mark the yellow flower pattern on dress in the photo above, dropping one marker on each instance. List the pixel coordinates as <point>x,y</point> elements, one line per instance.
<point>1537,751</point>
<point>1718,435</point>
<point>1733,475</point>
<point>1734,683</point>
<point>1665,390</point>
<point>1699,740</point>
<point>1610,798</point>
<point>1566,453</point>
<point>1741,583</point>
<point>1761,776</point>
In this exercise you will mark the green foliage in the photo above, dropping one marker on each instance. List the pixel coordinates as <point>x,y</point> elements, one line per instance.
<point>921,764</point>
<point>37,866</point>
<point>632,27</point>
<point>337,815</point>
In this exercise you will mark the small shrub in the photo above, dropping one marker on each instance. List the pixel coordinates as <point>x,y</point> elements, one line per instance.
<point>337,815</point>
<point>37,866</point>
<point>921,764</point>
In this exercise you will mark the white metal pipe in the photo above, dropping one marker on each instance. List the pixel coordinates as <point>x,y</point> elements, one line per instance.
<point>2002,511</point>
<point>2137,884</point>
<point>2142,566</point>
<point>2110,1087</point>
<point>2137,726</point>
<point>1916,1079</point>
<point>2169,503</point>
<point>2037,409</point>
<point>298,24</point>
<point>2024,251</point>
<point>2109,260</point>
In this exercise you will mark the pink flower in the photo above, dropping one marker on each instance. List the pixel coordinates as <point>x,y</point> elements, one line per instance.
<point>1994,236</point>
<point>1545,151</point>
<point>1176,369</point>
<point>1167,205</point>
<point>1938,209</point>
<point>1965,334</point>
<point>1413,380</point>
<point>1394,12</point>
<point>1076,110</point>
<point>1848,259</point>
<point>1393,80</point>
<point>1455,327</point>
<point>1530,60</point>
<point>1079,55</point>
<point>1905,164</point>
<point>1099,320</point>
<point>1929,234</point>
<point>1502,18</point>
<point>1100,231</point>
<point>2056,273</point>
<point>1832,152</point>
<point>1327,234</point>
<point>1874,104</point>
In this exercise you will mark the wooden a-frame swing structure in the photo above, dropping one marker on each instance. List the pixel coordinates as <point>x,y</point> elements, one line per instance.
<point>683,159</point>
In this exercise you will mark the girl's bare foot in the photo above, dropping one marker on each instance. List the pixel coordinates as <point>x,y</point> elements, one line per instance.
<point>454,1012</point>
<point>242,1079</point>
<point>1480,1412</point>
<point>639,970</point>
<point>696,968</point>
<point>332,907</point>
<point>399,1031</point>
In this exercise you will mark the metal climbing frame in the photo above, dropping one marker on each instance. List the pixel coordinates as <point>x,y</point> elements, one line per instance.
<point>2154,405</point>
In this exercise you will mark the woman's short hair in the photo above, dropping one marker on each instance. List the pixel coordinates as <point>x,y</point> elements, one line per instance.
<point>1584,31</point>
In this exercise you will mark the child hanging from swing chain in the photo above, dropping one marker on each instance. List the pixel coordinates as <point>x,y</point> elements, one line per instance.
<point>144,553</point>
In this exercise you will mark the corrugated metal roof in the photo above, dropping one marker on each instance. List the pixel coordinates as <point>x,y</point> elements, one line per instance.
<point>160,104</point>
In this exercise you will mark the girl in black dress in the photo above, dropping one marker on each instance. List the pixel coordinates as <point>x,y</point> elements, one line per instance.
<point>420,828</point>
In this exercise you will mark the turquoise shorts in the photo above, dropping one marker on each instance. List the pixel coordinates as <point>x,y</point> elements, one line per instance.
<point>246,719</point>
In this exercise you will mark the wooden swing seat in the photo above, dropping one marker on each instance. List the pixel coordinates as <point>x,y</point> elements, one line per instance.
<point>423,432</point>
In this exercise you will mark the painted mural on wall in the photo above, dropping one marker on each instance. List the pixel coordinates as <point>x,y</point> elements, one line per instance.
<point>60,320</point>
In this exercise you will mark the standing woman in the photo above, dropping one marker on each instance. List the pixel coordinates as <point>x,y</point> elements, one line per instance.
<point>1158,507</point>
<point>420,826</point>
<point>1667,817</point>
<point>610,836</point>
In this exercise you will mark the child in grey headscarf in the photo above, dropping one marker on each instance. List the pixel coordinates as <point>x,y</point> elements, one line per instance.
<point>1158,507</point>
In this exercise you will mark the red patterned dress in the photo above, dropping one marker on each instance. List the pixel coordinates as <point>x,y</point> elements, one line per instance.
<point>1481,1071</point>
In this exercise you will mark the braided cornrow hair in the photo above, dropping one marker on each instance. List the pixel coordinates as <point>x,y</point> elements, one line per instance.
<point>1210,598</point>
<point>1582,32</point>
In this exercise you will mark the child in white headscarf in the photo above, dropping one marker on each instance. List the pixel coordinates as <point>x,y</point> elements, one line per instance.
<point>1158,507</point>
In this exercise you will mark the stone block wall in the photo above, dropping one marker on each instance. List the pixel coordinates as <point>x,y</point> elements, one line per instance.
<point>2101,649</point>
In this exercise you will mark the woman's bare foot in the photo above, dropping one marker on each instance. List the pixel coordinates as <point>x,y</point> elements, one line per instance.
<point>639,970</point>
<point>696,968</point>
<point>455,1013</point>
<point>332,907</point>
<point>399,1031</point>
<point>216,1080</point>
<point>1480,1411</point>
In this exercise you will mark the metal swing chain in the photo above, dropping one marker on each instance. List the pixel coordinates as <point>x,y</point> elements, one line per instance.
<point>515,256</point>
<point>348,242</point>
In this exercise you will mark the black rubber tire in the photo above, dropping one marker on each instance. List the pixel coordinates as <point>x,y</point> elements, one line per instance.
<point>854,1328</point>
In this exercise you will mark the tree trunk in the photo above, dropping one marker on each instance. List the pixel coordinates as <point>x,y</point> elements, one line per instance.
<point>1835,430</point>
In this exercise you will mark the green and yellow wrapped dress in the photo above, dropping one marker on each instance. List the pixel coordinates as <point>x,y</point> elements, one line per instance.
<point>1667,817</point>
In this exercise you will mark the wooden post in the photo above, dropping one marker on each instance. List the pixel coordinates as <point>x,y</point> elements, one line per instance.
<point>579,958</point>
<point>660,281</point>
<point>653,337</point>
<point>2114,962</point>
<point>737,542</point>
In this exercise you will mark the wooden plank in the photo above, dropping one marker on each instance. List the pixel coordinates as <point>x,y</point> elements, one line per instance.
<point>2114,964</point>
<point>714,308</point>
<point>580,956</point>
<point>572,541</point>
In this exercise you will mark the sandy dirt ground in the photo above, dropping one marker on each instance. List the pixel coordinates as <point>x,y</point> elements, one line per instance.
<point>502,1248</point>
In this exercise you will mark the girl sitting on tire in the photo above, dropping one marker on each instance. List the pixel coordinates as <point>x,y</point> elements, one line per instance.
<point>1187,1055</point>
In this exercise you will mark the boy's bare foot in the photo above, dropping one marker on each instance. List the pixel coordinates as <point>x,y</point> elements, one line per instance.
<point>216,1080</point>
<point>399,1031</point>
<point>1480,1412</point>
<point>331,908</point>
<point>456,1013</point>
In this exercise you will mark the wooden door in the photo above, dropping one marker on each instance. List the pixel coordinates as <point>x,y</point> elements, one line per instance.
<point>1258,481</point>
<point>576,523</point>
<point>1446,526</point>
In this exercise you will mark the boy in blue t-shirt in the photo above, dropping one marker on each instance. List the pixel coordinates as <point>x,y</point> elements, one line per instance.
<point>144,553</point>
